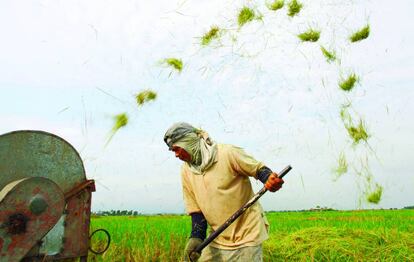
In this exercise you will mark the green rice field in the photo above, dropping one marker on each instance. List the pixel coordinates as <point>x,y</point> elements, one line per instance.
<point>366,235</point>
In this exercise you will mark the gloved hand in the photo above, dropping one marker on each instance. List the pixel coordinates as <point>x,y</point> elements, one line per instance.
<point>192,243</point>
<point>274,183</point>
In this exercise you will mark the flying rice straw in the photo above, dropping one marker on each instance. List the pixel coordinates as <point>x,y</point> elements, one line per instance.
<point>357,133</point>
<point>294,8</point>
<point>362,34</point>
<point>310,36</point>
<point>329,55</point>
<point>275,5</point>
<point>121,120</point>
<point>347,84</point>
<point>246,14</point>
<point>375,196</point>
<point>212,34</point>
<point>175,63</point>
<point>145,96</point>
<point>342,167</point>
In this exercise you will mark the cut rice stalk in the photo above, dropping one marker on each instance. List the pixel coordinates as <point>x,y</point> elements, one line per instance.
<point>329,55</point>
<point>213,33</point>
<point>121,120</point>
<point>374,197</point>
<point>175,63</point>
<point>342,167</point>
<point>362,34</point>
<point>357,133</point>
<point>246,15</point>
<point>310,36</point>
<point>294,8</point>
<point>276,5</point>
<point>348,83</point>
<point>145,96</point>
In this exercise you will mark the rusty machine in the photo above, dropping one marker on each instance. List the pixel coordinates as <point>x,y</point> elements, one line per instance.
<point>45,199</point>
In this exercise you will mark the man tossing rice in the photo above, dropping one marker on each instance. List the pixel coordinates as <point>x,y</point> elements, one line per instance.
<point>215,181</point>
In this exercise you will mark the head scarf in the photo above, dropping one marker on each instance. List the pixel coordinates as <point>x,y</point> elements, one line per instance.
<point>196,142</point>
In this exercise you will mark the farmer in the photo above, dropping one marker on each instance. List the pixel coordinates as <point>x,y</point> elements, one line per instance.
<point>215,181</point>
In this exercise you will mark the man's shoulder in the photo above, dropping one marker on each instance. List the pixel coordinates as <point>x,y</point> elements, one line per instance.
<point>227,147</point>
<point>185,167</point>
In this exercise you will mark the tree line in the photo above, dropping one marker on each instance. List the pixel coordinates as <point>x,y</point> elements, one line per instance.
<point>117,213</point>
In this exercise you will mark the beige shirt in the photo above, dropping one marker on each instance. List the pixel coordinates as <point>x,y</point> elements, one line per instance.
<point>222,190</point>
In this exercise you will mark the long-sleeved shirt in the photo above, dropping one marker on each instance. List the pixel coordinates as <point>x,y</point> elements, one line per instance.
<point>220,191</point>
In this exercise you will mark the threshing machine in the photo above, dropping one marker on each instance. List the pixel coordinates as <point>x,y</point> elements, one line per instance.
<point>45,199</point>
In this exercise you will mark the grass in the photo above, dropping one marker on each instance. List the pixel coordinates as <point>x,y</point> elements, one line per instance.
<point>362,34</point>
<point>175,63</point>
<point>357,133</point>
<point>145,96</point>
<point>370,235</point>
<point>329,55</point>
<point>375,196</point>
<point>276,5</point>
<point>348,83</point>
<point>212,34</point>
<point>310,35</point>
<point>294,8</point>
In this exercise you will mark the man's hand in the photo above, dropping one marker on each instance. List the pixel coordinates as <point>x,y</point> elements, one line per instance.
<point>192,243</point>
<point>274,183</point>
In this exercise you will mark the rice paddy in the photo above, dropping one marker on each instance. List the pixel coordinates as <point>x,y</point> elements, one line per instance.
<point>361,235</point>
<point>359,35</point>
<point>310,36</point>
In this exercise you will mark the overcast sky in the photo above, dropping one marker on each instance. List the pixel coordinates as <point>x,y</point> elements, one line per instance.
<point>68,67</point>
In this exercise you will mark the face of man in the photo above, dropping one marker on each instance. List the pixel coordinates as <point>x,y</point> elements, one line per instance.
<point>181,154</point>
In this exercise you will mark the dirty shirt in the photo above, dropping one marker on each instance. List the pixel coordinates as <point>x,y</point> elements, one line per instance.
<point>220,191</point>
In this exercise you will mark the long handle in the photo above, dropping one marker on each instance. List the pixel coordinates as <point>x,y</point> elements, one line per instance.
<point>228,222</point>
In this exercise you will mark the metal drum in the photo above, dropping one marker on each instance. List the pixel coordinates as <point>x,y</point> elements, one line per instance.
<point>45,198</point>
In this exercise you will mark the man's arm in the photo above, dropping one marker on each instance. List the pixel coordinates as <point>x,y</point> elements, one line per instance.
<point>198,234</point>
<point>263,174</point>
<point>198,225</point>
<point>269,178</point>
<point>245,164</point>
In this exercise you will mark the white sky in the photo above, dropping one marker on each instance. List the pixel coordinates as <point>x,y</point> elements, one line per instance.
<point>260,88</point>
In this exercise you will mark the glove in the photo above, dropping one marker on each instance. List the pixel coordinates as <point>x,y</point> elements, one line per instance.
<point>192,243</point>
<point>274,183</point>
